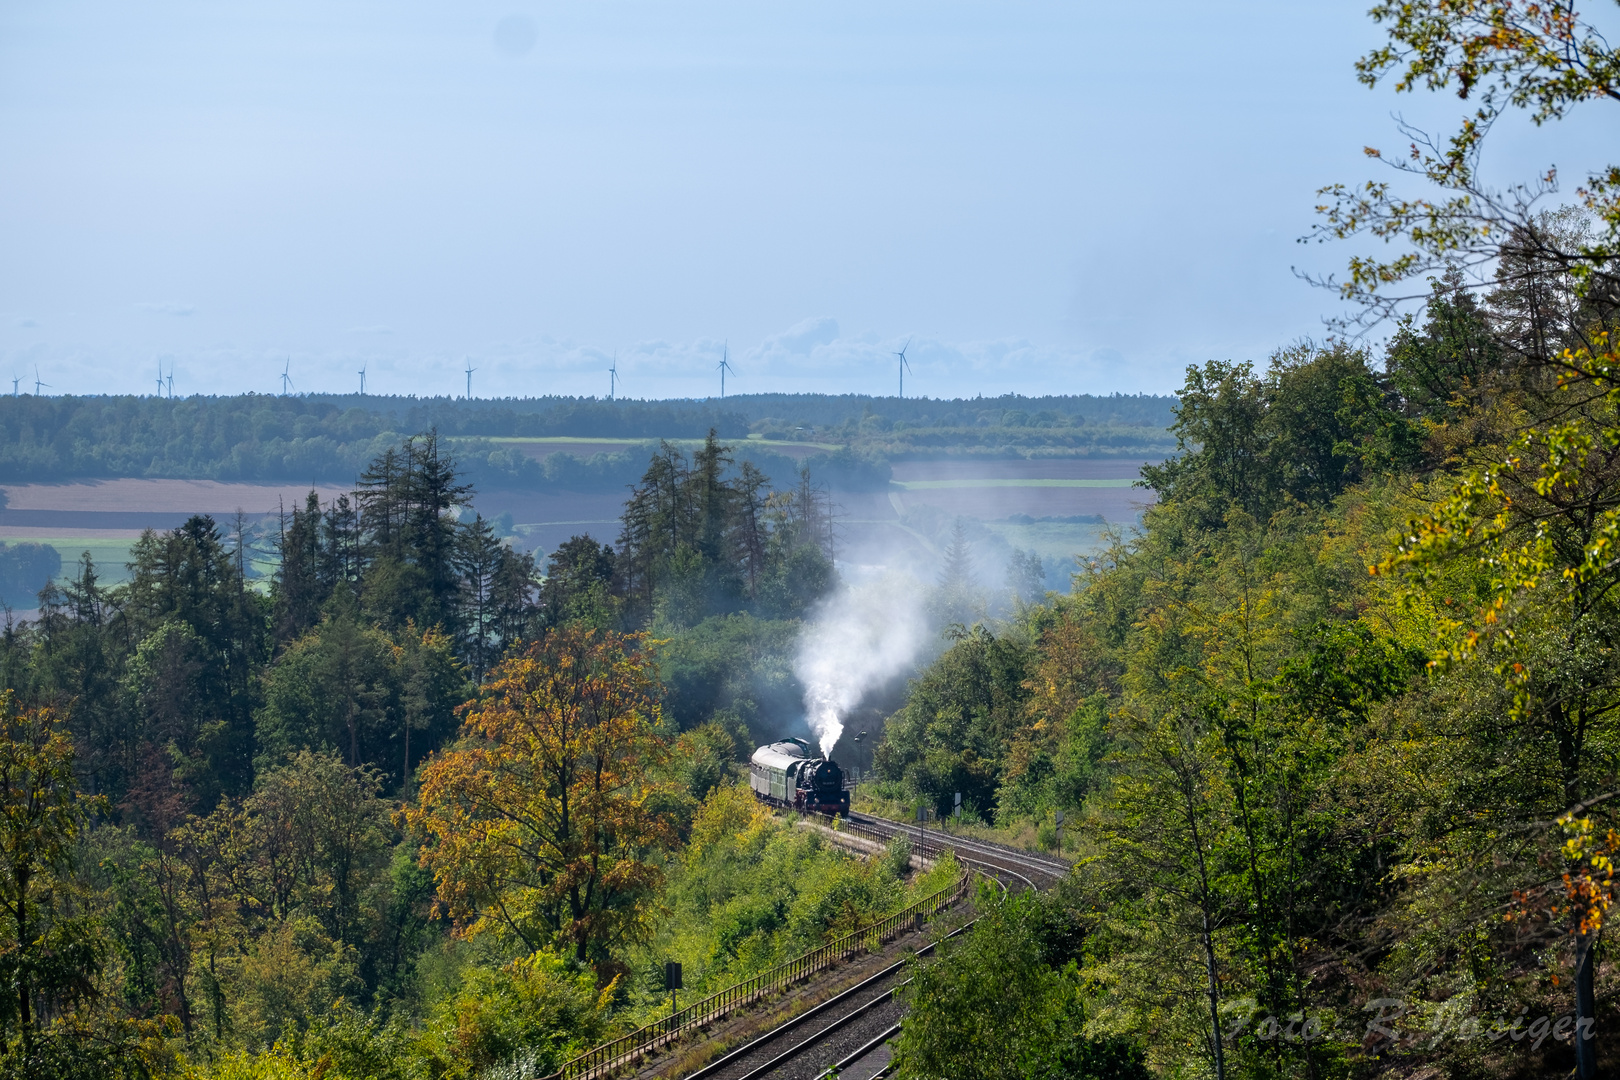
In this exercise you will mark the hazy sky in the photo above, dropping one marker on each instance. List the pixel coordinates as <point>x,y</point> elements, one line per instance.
<point>1043,197</point>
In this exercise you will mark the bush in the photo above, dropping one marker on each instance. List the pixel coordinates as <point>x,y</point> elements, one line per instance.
<point>535,1012</point>
<point>897,859</point>
<point>1002,1005</point>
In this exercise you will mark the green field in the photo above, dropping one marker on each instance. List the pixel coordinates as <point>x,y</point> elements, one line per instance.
<point>108,555</point>
<point>1056,542</point>
<point>112,556</point>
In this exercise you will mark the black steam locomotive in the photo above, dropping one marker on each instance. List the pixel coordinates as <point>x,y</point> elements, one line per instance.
<point>785,774</point>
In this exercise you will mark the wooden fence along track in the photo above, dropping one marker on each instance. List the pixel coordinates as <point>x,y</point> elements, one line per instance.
<point>813,1039</point>
<point>609,1056</point>
<point>928,844</point>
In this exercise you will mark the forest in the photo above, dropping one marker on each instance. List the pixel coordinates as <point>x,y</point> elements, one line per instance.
<point>313,829</point>
<point>314,437</point>
<point>1334,733</point>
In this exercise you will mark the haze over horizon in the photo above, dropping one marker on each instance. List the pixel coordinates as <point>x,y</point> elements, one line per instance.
<point>1040,197</point>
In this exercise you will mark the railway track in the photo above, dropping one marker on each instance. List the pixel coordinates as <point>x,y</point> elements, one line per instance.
<point>1035,870</point>
<point>805,1046</point>
<point>847,1035</point>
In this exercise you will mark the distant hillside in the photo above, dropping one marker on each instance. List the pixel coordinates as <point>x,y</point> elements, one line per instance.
<point>328,437</point>
<point>829,410</point>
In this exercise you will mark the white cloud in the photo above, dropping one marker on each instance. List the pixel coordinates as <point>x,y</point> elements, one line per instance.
<point>800,339</point>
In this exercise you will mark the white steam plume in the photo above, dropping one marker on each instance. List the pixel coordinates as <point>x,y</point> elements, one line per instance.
<point>862,636</point>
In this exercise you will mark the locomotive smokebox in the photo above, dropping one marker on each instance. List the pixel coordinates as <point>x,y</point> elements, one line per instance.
<point>784,774</point>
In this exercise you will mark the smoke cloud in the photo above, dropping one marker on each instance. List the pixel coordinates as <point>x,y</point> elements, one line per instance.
<point>862,636</point>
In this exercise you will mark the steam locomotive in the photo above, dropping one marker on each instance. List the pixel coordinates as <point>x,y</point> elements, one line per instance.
<point>785,774</point>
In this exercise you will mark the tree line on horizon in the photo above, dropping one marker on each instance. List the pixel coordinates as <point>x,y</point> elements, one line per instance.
<point>309,438</point>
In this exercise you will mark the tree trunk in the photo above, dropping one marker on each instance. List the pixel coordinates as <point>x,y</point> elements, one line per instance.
<point>1585,1007</point>
<point>1207,931</point>
<point>1214,993</point>
<point>25,1014</point>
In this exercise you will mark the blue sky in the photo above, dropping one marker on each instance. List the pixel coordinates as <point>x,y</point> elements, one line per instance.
<point>1041,197</point>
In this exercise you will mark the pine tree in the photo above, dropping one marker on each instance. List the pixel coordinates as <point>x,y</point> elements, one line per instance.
<point>478,562</point>
<point>300,587</point>
<point>341,566</point>
<point>956,573</point>
<point>578,584</point>
<point>433,491</point>
<point>703,538</point>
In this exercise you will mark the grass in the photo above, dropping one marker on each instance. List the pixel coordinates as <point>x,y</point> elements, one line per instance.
<point>1056,542</point>
<point>108,555</point>
<point>111,557</point>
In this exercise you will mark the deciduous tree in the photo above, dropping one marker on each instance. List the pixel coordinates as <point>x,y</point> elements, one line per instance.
<point>544,822</point>
<point>46,958</point>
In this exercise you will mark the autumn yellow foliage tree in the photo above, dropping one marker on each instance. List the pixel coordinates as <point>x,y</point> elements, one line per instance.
<point>544,821</point>
<point>41,818</point>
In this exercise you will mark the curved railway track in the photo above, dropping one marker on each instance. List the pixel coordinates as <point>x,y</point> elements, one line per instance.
<point>847,1035</point>
<point>1035,870</point>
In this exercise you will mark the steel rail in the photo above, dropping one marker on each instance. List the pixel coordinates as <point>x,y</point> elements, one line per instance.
<point>817,1037</point>
<point>929,844</point>
<point>799,1048</point>
<point>942,839</point>
<point>844,1063</point>
<point>615,1053</point>
<point>783,1028</point>
<point>1043,864</point>
<point>787,1026</point>
<point>611,1055</point>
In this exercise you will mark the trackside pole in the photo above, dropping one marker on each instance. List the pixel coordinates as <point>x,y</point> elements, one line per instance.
<point>672,980</point>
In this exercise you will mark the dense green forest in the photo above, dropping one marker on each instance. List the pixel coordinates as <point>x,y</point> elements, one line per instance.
<point>308,438</point>
<point>271,833</point>
<point>1335,732</point>
<point>1327,822</point>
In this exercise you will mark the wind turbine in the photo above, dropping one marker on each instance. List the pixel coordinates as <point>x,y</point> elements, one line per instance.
<point>160,378</point>
<point>725,366</point>
<point>905,366</point>
<point>171,380</point>
<point>613,377</point>
<point>14,382</point>
<point>37,383</point>
<point>470,370</point>
<point>286,379</point>
<point>363,379</point>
